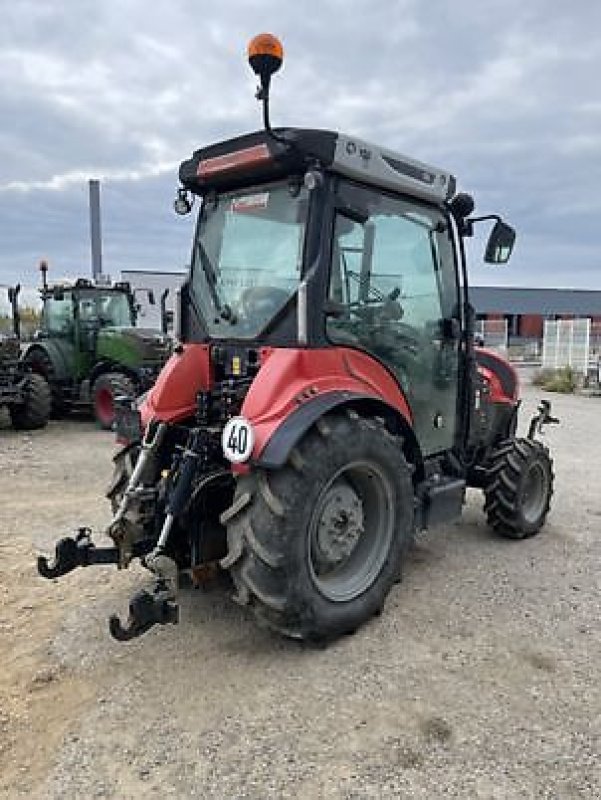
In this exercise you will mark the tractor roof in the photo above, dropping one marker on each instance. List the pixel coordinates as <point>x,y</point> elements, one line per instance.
<point>67,284</point>
<point>260,156</point>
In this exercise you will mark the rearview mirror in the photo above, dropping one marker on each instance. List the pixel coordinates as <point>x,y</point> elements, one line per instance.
<point>500,243</point>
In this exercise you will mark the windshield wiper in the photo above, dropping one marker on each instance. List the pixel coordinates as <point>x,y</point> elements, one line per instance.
<point>223,309</point>
<point>210,275</point>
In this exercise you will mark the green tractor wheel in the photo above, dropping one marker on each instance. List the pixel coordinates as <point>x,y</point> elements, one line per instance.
<point>104,391</point>
<point>35,410</point>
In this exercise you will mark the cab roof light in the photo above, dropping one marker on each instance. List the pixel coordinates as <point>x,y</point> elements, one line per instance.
<point>231,162</point>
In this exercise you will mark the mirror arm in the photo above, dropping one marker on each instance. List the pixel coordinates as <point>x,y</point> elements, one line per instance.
<point>485,218</point>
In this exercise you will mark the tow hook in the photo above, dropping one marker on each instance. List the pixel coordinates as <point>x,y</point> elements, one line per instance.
<point>146,610</point>
<point>80,551</point>
<point>151,608</point>
<point>159,607</point>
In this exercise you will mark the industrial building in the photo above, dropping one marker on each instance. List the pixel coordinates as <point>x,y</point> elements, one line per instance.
<point>525,310</point>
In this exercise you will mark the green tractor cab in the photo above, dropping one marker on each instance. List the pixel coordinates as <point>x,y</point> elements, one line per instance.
<point>25,394</point>
<point>89,348</point>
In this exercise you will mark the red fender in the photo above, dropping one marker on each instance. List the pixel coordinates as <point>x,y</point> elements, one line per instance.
<point>173,396</point>
<point>500,374</point>
<point>288,378</point>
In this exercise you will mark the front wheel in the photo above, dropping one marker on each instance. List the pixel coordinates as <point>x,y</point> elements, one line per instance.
<point>519,488</point>
<point>315,547</point>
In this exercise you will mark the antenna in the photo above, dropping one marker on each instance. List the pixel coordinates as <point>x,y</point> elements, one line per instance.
<point>44,271</point>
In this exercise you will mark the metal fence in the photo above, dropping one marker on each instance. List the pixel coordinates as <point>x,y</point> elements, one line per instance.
<point>567,343</point>
<point>493,333</point>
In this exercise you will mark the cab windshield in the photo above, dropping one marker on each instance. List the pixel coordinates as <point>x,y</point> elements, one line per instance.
<point>95,309</point>
<point>247,257</point>
<point>105,309</point>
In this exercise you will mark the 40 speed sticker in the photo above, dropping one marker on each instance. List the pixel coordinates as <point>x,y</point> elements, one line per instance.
<point>237,440</point>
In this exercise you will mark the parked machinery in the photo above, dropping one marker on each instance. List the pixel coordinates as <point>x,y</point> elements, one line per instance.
<point>326,401</point>
<point>89,348</point>
<point>25,394</point>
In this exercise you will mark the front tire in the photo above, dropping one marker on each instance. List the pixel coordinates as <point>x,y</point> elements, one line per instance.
<point>104,391</point>
<point>519,488</point>
<point>315,546</point>
<point>35,410</point>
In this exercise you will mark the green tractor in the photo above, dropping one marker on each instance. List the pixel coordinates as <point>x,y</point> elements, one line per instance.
<point>89,348</point>
<point>25,394</point>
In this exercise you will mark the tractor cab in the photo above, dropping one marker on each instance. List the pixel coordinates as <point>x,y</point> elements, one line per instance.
<point>316,239</point>
<point>78,312</point>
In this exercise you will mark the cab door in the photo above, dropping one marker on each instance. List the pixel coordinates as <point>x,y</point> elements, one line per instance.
<point>393,293</point>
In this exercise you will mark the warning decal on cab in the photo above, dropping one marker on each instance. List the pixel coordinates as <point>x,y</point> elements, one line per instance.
<point>251,202</point>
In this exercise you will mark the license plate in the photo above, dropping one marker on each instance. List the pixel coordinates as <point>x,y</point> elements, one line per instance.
<point>128,424</point>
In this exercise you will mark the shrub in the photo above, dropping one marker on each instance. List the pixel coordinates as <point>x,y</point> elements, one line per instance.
<point>556,380</point>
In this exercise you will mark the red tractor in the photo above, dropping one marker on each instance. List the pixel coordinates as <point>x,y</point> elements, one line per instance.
<point>326,401</point>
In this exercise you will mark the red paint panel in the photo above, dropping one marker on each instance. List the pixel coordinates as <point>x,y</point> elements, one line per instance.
<point>496,390</point>
<point>249,157</point>
<point>288,378</point>
<point>497,395</point>
<point>173,396</point>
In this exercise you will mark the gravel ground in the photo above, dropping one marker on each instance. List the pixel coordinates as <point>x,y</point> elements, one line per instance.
<point>479,680</point>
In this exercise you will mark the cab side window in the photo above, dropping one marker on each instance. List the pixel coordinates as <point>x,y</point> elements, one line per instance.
<point>392,283</point>
<point>385,288</point>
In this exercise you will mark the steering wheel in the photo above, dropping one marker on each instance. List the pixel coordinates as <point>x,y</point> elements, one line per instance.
<point>262,301</point>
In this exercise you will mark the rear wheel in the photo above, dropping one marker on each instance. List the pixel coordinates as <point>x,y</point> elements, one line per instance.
<point>519,489</point>
<point>315,546</point>
<point>35,410</point>
<point>38,361</point>
<point>104,391</point>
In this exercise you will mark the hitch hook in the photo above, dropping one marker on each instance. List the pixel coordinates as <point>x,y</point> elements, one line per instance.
<point>68,554</point>
<point>145,611</point>
<point>542,418</point>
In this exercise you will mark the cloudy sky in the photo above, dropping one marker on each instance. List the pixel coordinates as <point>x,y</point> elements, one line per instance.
<point>504,93</point>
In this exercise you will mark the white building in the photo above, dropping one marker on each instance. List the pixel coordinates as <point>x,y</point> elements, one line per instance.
<point>156,282</point>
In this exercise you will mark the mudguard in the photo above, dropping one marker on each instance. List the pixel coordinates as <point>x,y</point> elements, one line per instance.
<point>173,396</point>
<point>61,356</point>
<point>290,432</point>
<point>294,387</point>
<point>502,377</point>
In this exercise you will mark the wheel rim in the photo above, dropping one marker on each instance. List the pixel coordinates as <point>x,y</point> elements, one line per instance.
<point>105,409</point>
<point>350,531</point>
<point>534,493</point>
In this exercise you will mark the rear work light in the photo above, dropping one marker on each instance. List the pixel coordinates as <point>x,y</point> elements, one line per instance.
<point>230,162</point>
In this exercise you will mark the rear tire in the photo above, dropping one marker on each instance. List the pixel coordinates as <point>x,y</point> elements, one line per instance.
<point>105,389</point>
<point>315,546</point>
<point>39,362</point>
<point>519,489</point>
<point>35,411</point>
